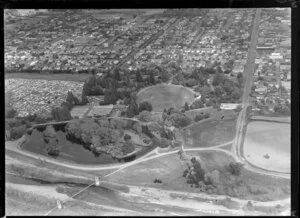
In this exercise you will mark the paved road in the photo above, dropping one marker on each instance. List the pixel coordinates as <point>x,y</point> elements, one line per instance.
<point>241,121</point>
<point>145,44</point>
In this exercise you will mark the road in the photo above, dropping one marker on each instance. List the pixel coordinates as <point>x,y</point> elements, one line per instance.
<point>146,43</point>
<point>241,121</point>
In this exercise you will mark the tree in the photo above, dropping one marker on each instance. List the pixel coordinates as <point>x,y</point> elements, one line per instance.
<point>163,143</point>
<point>186,106</point>
<point>139,78</point>
<point>218,79</point>
<point>151,78</point>
<point>235,168</point>
<point>11,113</point>
<point>240,78</point>
<point>191,82</point>
<point>145,105</point>
<point>110,97</point>
<point>17,132</point>
<point>180,120</point>
<point>145,116</point>
<point>128,147</point>
<point>198,117</point>
<point>127,137</point>
<point>206,115</point>
<point>84,99</point>
<point>117,75</point>
<point>165,76</point>
<point>132,109</point>
<point>61,114</point>
<point>236,93</point>
<point>219,91</point>
<point>50,132</point>
<point>53,151</point>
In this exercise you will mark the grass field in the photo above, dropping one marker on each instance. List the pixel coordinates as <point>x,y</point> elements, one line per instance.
<point>70,152</point>
<point>268,138</point>
<point>165,96</point>
<point>79,111</point>
<point>210,133</point>
<point>169,170</point>
<point>64,76</point>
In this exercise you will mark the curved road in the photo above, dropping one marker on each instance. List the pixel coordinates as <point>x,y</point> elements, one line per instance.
<point>241,121</point>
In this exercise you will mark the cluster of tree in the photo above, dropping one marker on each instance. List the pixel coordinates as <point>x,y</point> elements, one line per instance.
<point>199,178</point>
<point>127,137</point>
<point>178,118</point>
<point>145,116</point>
<point>51,139</point>
<point>18,126</point>
<point>226,90</point>
<point>62,113</point>
<point>134,109</point>
<point>11,113</point>
<point>201,116</point>
<point>88,132</point>
<point>200,103</point>
<point>157,181</point>
<point>195,173</point>
<point>17,132</point>
<point>283,109</point>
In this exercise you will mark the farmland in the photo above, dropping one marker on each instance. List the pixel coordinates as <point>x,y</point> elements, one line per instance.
<point>267,145</point>
<point>165,96</point>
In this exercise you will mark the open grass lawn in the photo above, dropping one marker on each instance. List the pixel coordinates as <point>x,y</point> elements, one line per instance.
<point>168,169</point>
<point>165,96</point>
<point>248,185</point>
<point>64,76</point>
<point>79,111</point>
<point>210,133</point>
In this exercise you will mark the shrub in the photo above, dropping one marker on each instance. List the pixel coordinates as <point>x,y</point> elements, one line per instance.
<point>163,143</point>
<point>17,132</point>
<point>11,113</point>
<point>128,148</point>
<point>198,117</point>
<point>235,168</point>
<point>127,137</point>
<point>145,116</point>
<point>49,132</point>
<point>145,105</point>
<point>206,115</point>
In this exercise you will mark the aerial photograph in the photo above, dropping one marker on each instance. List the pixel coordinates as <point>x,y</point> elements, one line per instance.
<point>147,112</point>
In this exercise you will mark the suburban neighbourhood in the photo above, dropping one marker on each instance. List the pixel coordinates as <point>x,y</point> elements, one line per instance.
<point>148,112</point>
